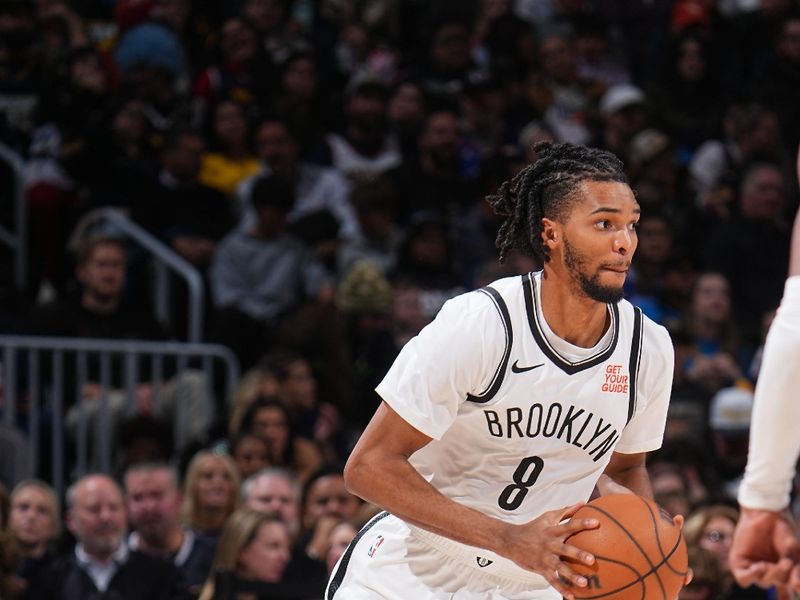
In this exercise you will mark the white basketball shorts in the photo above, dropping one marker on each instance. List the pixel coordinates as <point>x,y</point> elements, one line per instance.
<point>388,560</point>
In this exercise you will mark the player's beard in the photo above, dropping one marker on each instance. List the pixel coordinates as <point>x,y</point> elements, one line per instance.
<point>590,285</point>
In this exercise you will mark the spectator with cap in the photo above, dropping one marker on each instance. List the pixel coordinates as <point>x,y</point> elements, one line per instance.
<point>661,184</point>
<point>623,114</point>
<point>102,565</point>
<point>315,187</point>
<point>729,422</point>
<point>151,62</point>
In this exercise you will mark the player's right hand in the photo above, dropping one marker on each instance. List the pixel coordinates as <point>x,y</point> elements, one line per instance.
<point>765,549</point>
<point>539,546</point>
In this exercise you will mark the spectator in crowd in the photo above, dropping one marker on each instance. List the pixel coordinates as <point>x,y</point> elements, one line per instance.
<point>379,237</point>
<point>777,80</point>
<point>270,419</point>
<point>240,71</point>
<point>449,64</point>
<point>210,492</point>
<point>253,547</point>
<point>275,491</point>
<point>708,578</point>
<point>250,453</point>
<point>406,112</point>
<point>153,500</point>
<point>101,310</point>
<point>338,541</point>
<point>34,523</point>
<point>670,488</point>
<point>230,157</point>
<point>151,63</point>
<point>300,101</point>
<point>735,247</point>
<point>729,422</point>
<point>258,381</point>
<point>565,98</point>
<point>751,131</point>
<point>711,528</point>
<point>314,419</point>
<point>326,502</point>
<point>315,187</point>
<point>261,275</point>
<point>101,563</point>
<point>186,214</point>
<point>433,183</point>
<point>623,114</point>
<point>718,358</point>
<point>687,101</point>
<point>365,147</point>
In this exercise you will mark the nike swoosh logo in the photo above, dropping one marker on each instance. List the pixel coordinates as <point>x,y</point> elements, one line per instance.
<point>515,368</point>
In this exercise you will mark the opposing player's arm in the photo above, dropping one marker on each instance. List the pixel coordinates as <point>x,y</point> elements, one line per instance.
<point>378,470</point>
<point>628,471</point>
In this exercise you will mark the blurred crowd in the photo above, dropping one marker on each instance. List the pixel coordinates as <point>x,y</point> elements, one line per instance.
<point>323,164</point>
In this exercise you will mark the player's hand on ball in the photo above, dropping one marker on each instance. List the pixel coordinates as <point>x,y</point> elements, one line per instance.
<point>539,546</point>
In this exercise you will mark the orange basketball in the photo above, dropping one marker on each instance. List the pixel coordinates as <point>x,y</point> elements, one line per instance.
<point>639,552</point>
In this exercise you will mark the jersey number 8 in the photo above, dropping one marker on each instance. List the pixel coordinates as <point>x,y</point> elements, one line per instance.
<point>525,475</point>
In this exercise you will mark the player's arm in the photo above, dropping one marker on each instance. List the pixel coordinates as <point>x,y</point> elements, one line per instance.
<point>766,547</point>
<point>628,471</point>
<point>379,471</point>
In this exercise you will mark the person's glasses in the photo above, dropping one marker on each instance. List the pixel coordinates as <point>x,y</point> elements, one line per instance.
<point>716,536</point>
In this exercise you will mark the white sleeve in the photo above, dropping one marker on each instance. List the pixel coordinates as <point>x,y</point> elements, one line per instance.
<point>774,438</point>
<point>645,431</point>
<point>455,355</point>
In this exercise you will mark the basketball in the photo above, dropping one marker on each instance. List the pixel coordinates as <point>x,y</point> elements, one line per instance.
<point>640,554</point>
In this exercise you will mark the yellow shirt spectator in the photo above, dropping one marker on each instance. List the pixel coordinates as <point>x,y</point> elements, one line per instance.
<point>224,174</point>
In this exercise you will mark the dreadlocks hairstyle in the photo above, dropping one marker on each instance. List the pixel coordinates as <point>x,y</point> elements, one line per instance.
<point>547,188</point>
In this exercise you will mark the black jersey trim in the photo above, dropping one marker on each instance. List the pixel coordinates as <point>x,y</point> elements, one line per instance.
<point>338,576</point>
<point>499,374</point>
<point>636,357</point>
<point>570,368</point>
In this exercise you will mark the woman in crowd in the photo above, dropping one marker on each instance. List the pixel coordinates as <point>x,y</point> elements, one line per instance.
<point>714,363</point>
<point>210,492</point>
<point>269,419</point>
<point>254,546</point>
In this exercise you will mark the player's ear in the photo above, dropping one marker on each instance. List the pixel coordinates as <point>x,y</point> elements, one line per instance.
<point>550,234</point>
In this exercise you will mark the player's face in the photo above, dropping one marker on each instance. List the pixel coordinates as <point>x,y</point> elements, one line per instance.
<point>598,239</point>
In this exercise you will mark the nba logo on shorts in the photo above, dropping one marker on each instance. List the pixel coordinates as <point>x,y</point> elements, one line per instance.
<point>375,545</point>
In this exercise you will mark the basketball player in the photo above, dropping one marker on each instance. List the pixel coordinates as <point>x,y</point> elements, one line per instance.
<point>500,417</point>
<point>766,548</point>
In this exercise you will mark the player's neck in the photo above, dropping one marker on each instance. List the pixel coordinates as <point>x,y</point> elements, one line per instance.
<point>571,314</point>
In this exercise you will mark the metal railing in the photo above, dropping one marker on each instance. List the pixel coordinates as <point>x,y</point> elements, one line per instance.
<point>164,259</point>
<point>16,236</point>
<point>49,375</point>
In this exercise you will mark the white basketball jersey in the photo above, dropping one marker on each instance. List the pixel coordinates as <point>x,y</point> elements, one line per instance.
<point>522,424</point>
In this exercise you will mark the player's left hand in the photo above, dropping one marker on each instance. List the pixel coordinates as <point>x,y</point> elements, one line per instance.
<point>765,549</point>
<point>679,520</point>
